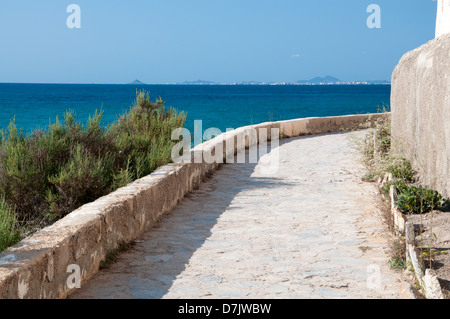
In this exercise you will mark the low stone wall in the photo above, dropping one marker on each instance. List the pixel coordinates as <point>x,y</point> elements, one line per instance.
<point>47,264</point>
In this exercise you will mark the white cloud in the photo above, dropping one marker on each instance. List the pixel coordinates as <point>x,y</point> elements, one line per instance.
<point>296,56</point>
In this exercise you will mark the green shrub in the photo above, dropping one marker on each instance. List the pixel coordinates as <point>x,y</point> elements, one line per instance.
<point>397,262</point>
<point>143,136</point>
<point>399,184</point>
<point>9,232</point>
<point>419,200</point>
<point>47,174</point>
<point>376,146</point>
<point>82,179</point>
<point>401,169</point>
<point>383,136</point>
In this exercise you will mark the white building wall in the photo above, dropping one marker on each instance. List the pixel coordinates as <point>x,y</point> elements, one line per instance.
<point>443,18</point>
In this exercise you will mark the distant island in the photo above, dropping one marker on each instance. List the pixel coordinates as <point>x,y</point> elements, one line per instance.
<point>137,82</point>
<point>318,80</point>
<point>332,80</point>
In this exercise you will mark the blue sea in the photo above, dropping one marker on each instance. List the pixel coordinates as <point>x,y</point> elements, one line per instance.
<point>34,106</point>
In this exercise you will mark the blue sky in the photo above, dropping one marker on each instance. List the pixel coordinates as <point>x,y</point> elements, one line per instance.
<point>218,40</point>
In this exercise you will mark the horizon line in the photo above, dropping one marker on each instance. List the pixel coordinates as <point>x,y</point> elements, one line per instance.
<point>249,83</point>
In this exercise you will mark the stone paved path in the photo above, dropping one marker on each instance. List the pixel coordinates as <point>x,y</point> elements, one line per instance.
<point>312,231</point>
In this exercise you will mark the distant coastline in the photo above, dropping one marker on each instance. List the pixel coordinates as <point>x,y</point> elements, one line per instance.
<point>281,83</point>
<point>214,83</point>
<point>328,80</point>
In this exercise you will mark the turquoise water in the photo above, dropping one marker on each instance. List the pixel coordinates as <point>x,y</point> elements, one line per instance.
<point>219,106</point>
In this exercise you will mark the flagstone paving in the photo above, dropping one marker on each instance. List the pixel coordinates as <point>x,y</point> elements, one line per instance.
<point>310,231</point>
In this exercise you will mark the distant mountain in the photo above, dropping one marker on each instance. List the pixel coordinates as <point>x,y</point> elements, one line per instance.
<point>332,80</point>
<point>318,80</point>
<point>379,82</point>
<point>137,82</point>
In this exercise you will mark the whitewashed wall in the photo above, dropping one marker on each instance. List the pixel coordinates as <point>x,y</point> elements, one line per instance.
<point>443,18</point>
